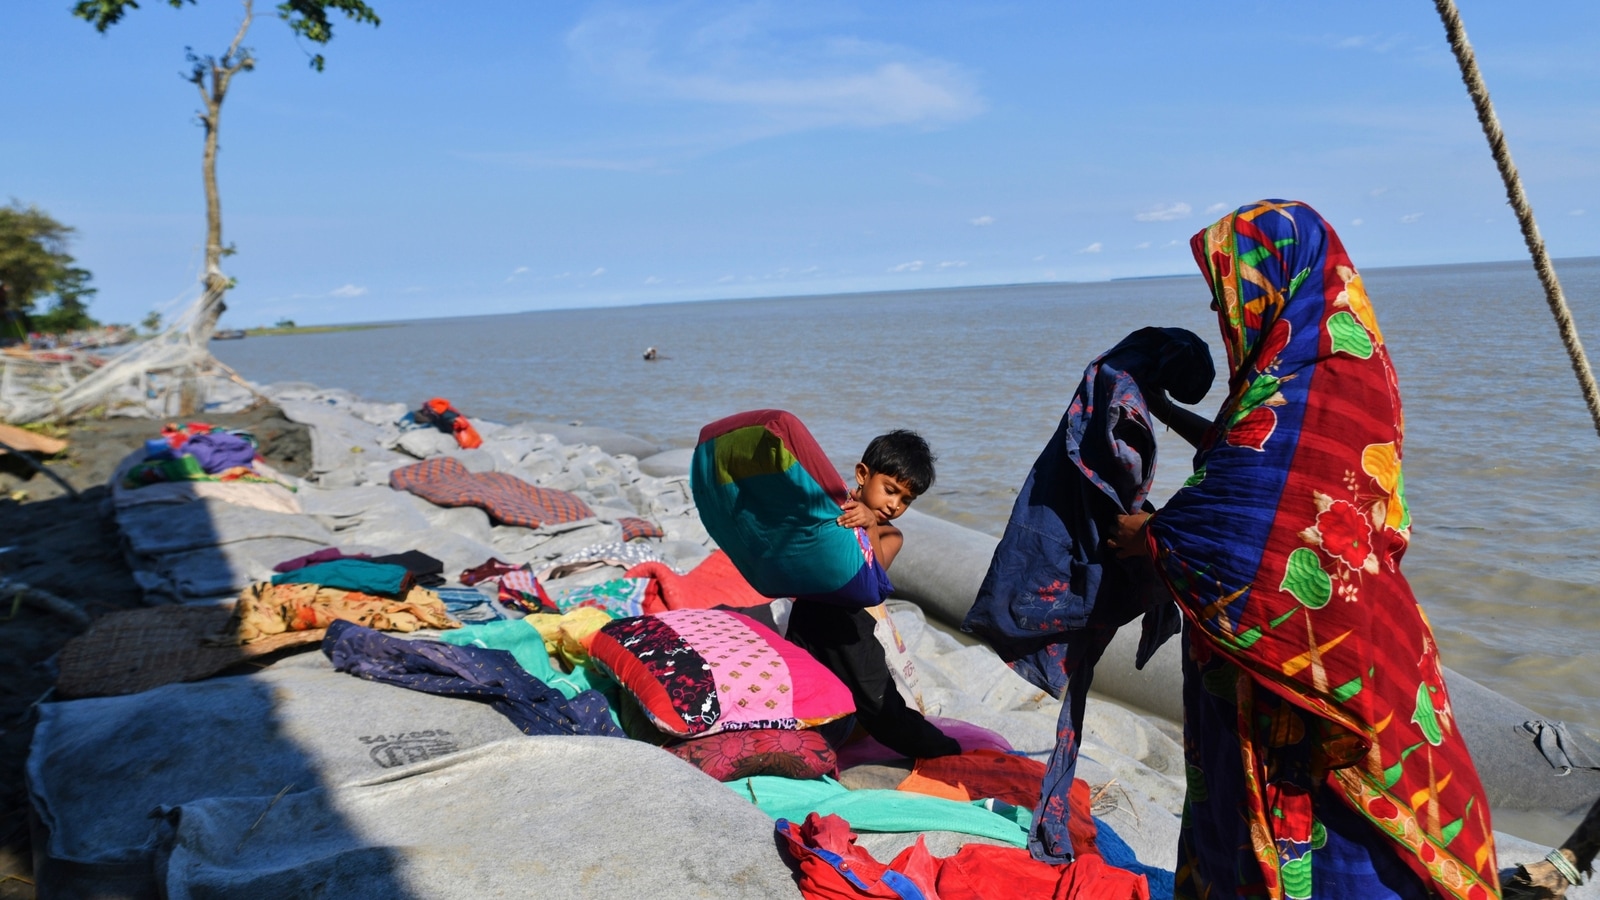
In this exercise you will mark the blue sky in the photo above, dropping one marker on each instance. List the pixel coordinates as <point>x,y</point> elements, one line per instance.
<point>495,156</point>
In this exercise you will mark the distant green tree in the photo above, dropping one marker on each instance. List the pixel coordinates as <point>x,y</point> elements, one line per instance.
<point>211,75</point>
<point>284,323</point>
<point>71,309</point>
<point>34,263</point>
<point>151,323</point>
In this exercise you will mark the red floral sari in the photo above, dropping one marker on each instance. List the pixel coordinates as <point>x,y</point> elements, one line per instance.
<point>1317,725</point>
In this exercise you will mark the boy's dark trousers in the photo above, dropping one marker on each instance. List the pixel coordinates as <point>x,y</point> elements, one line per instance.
<point>841,639</point>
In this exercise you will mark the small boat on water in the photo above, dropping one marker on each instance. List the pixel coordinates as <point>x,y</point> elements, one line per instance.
<point>228,334</point>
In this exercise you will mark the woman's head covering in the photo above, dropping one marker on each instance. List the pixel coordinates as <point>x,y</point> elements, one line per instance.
<point>1284,548</point>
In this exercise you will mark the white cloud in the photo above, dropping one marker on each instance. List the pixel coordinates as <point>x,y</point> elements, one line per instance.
<point>348,290</point>
<point>913,266</point>
<point>519,270</point>
<point>1166,213</point>
<point>653,280</point>
<point>953,264</point>
<point>1576,212</point>
<point>1039,258</point>
<point>1355,221</point>
<point>1216,208</point>
<point>1377,43</point>
<point>748,62</point>
<point>534,161</point>
<point>726,279</point>
<point>1378,192</point>
<point>1095,247</point>
<point>598,272</point>
<point>983,220</point>
<point>1143,246</point>
<point>1409,218</point>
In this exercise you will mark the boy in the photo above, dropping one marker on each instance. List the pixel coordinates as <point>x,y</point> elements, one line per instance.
<point>895,469</point>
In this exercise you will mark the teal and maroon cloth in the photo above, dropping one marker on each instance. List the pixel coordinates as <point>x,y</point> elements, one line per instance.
<point>1322,747</point>
<point>771,499</point>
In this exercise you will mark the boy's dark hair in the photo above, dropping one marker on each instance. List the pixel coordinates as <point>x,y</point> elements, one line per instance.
<point>904,455</point>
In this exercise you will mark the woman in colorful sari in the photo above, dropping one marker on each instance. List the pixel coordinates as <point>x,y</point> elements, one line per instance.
<point>1323,756</point>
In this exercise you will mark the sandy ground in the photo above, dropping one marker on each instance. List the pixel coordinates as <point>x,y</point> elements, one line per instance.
<point>69,547</point>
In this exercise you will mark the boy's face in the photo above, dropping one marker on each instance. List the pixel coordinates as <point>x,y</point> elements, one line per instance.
<point>886,495</point>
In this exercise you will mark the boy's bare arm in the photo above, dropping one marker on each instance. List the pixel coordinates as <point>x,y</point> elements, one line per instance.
<point>886,543</point>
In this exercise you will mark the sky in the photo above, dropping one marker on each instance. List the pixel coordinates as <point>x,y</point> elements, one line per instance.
<point>498,155</point>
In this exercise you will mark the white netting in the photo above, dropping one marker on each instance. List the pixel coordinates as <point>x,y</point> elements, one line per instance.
<point>40,390</point>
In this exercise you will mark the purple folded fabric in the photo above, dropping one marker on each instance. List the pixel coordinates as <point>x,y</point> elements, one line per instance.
<point>326,554</point>
<point>217,451</point>
<point>971,737</point>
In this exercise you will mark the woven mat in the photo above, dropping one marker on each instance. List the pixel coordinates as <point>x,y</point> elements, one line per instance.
<point>139,649</point>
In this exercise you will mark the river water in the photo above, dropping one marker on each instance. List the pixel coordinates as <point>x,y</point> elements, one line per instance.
<point>1502,463</point>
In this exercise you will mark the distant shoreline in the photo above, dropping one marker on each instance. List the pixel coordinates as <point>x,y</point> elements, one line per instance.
<point>868,294</point>
<point>311,329</point>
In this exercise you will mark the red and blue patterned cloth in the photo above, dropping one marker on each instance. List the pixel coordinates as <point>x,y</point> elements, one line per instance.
<point>1321,744</point>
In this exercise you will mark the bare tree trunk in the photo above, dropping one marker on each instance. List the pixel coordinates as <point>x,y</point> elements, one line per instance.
<point>211,76</point>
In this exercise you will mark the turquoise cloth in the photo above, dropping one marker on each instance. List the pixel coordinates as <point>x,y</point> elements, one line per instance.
<point>350,575</point>
<point>526,646</point>
<point>884,811</point>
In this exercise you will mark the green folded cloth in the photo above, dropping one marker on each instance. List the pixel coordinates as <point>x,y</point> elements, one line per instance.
<point>883,811</point>
<point>386,579</point>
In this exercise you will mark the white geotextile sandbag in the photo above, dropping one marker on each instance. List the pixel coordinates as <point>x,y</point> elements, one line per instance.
<point>425,442</point>
<point>157,530</point>
<point>338,439</point>
<point>97,767</point>
<point>552,817</point>
<point>211,573</point>
<point>208,548</point>
<point>609,440</point>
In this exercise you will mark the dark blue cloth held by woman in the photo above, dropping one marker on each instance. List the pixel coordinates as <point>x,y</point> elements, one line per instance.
<point>1054,595</point>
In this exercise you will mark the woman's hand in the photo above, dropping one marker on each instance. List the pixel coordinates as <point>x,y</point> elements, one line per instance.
<point>1128,540</point>
<point>856,515</point>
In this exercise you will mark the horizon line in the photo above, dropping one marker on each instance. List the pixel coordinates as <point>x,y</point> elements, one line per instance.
<point>868,293</point>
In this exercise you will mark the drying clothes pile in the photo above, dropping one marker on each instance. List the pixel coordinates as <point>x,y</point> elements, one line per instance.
<point>424,569</point>
<point>833,866</point>
<point>469,605</point>
<point>196,451</point>
<point>648,585</point>
<point>438,413</point>
<point>715,582</point>
<point>397,763</point>
<point>267,609</point>
<point>489,675</point>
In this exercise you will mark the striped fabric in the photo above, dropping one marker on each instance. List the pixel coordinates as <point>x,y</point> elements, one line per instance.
<point>444,481</point>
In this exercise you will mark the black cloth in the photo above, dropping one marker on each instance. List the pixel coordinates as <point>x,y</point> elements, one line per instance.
<point>429,572</point>
<point>840,638</point>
